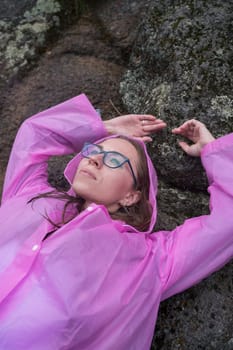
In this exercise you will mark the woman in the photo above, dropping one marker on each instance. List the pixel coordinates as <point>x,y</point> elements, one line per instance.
<point>75,272</point>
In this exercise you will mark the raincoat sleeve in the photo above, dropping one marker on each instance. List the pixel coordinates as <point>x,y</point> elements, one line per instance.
<point>59,130</point>
<point>204,244</point>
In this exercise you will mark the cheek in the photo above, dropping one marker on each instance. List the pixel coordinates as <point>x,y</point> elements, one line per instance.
<point>81,164</point>
<point>79,181</point>
<point>117,181</point>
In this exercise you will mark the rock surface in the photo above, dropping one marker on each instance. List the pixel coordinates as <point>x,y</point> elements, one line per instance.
<point>182,61</point>
<point>13,10</point>
<point>92,56</point>
<point>24,27</point>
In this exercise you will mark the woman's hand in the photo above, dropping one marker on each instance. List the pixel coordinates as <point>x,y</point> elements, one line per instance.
<point>140,126</point>
<point>196,132</point>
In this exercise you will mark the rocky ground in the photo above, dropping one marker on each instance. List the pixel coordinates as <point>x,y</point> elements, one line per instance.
<point>91,56</point>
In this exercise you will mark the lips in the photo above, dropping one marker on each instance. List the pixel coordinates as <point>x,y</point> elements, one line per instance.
<point>88,173</point>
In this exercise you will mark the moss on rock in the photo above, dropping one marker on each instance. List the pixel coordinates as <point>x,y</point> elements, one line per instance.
<point>20,44</point>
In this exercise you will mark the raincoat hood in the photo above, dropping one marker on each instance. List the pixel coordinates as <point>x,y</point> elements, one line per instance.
<point>72,166</point>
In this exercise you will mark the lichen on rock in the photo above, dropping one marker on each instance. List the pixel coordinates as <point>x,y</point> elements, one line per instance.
<point>19,43</point>
<point>181,64</point>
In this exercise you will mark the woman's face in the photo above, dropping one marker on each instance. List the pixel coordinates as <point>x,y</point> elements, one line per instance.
<point>112,187</point>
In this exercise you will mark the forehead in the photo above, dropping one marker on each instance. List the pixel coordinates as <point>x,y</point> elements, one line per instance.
<point>120,145</point>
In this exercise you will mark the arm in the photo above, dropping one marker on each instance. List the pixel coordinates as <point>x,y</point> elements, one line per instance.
<point>59,130</point>
<point>62,130</point>
<point>204,244</point>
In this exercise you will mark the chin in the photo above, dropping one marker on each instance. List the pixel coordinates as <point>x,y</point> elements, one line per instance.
<point>80,190</point>
<point>83,192</point>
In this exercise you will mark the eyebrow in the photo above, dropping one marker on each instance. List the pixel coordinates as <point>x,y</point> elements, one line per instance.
<point>102,148</point>
<point>98,145</point>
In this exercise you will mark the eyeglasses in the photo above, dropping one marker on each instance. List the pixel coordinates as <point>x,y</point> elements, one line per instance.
<point>111,159</point>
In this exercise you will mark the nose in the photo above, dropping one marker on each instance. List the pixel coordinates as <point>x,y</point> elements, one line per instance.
<point>96,160</point>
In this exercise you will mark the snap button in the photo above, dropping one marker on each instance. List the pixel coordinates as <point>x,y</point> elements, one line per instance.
<point>35,247</point>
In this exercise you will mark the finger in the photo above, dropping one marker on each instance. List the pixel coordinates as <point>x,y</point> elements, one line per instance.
<point>155,122</point>
<point>144,139</point>
<point>185,147</point>
<point>152,122</point>
<point>181,129</point>
<point>160,121</point>
<point>177,131</point>
<point>189,124</point>
<point>154,127</point>
<point>147,117</point>
<point>184,130</point>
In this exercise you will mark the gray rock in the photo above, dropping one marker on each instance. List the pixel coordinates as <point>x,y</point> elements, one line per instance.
<point>201,318</point>
<point>120,20</point>
<point>24,29</point>
<point>181,68</point>
<point>176,205</point>
<point>13,9</point>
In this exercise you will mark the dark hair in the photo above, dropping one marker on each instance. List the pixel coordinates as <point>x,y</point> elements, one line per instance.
<point>137,215</point>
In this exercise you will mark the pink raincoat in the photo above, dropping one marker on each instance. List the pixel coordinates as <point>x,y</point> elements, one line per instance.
<point>95,283</point>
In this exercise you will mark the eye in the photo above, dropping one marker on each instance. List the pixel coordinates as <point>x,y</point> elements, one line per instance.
<point>92,152</point>
<point>114,162</point>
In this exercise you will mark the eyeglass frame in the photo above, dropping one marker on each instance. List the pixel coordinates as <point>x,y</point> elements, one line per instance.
<point>126,160</point>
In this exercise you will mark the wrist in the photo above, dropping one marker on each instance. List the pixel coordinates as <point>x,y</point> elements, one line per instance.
<point>207,141</point>
<point>109,127</point>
